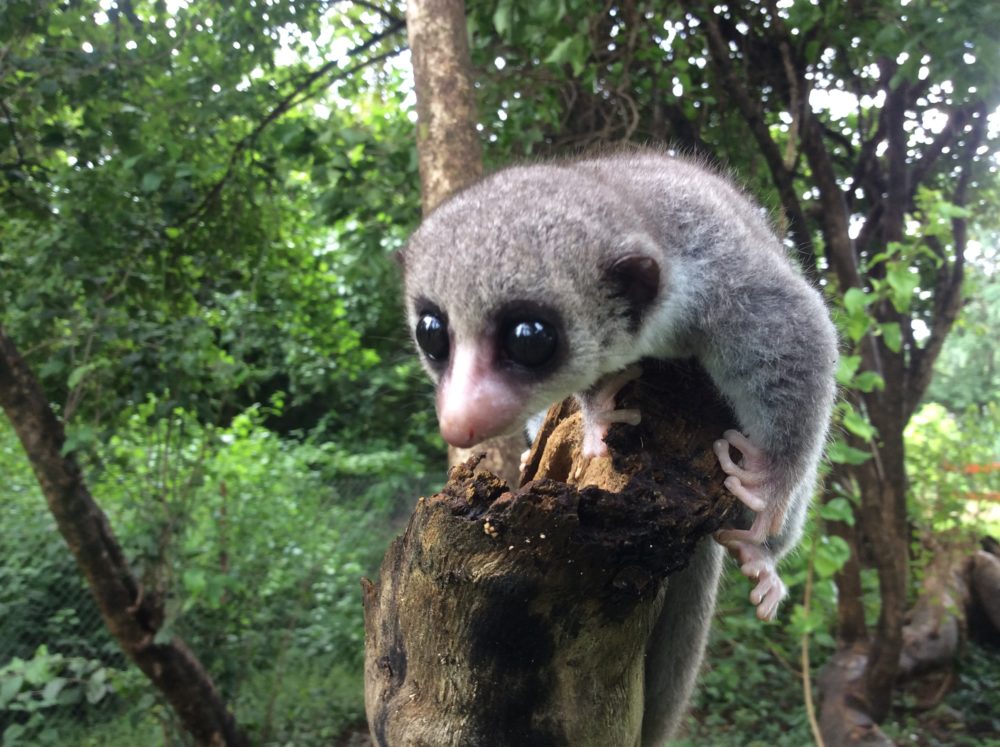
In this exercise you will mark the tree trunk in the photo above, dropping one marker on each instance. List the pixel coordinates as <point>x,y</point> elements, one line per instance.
<point>521,617</point>
<point>883,522</point>
<point>851,625</point>
<point>448,148</point>
<point>134,618</point>
<point>447,141</point>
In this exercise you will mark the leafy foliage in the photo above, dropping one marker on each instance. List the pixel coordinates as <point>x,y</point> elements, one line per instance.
<point>954,469</point>
<point>968,373</point>
<point>35,687</point>
<point>138,156</point>
<point>255,542</point>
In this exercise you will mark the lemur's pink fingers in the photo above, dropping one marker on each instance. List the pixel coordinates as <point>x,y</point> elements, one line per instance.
<point>751,481</point>
<point>599,411</point>
<point>595,428</point>
<point>752,499</point>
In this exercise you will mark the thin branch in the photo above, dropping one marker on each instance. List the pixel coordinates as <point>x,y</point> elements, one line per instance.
<point>752,115</point>
<point>948,297</point>
<point>840,248</point>
<point>957,120</point>
<point>386,15</point>
<point>897,186</point>
<point>806,678</point>
<point>300,94</point>
<point>15,138</point>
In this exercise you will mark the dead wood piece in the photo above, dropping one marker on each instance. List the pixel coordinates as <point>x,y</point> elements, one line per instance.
<point>844,718</point>
<point>990,545</point>
<point>985,573</point>
<point>521,617</point>
<point>936,625</point>
<point>935,629</point>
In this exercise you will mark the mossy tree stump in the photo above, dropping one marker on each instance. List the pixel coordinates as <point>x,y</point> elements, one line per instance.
<point>521,617</point>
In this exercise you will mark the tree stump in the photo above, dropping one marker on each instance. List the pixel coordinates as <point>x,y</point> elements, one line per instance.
<point>520,617</point>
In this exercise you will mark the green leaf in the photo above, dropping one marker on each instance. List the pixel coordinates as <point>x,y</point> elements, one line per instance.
<point>13,733</point>
<point>902,283</point>
<point>892,335</point>
<point>36,670</point>
<point>847,366</point>
<point>151,181</point>
<point>857,322</point>
<point>810,622</point>
<point>857,424</point>
<point>868,381</point>
<point>9,688</point>
<point>503,18</point>
<point>77,374</point>
<point>195,581</point>
<point>840,453</point>
<point>856,300</point>
<point>69,697</point>
<point>831,554</point>
<point>562,52</point>
<point>838,509</point>
<point>80,437</point>
<point>52,689</point>
<point>96,689</point>
<point>858,326</point>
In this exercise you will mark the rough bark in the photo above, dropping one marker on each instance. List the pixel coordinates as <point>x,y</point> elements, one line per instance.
<point>883,521</point>
<point>851,625</point>
<point>133,617</point>
<point>447,141</point>
<point>520,617</point>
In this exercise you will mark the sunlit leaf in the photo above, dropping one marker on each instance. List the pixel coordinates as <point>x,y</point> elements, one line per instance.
<point>841,453</point>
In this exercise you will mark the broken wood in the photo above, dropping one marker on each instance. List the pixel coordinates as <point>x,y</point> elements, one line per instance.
<point>957,594</point>
<point>984,616</point>
<point>521,616</point>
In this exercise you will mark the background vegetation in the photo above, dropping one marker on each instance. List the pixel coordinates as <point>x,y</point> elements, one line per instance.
<point>199,205</point>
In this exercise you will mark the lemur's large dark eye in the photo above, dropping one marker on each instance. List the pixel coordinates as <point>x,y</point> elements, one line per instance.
<point>432,336</point>
<point>530,343</point>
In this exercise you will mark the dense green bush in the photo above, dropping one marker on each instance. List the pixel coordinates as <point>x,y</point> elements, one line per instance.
<point>255,543</point>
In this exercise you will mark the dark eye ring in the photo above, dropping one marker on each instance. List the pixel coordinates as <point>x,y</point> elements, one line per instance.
<point>432,336</point>
<point>530,342</point>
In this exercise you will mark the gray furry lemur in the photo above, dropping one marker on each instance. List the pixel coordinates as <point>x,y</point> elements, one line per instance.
<point>553,279</point>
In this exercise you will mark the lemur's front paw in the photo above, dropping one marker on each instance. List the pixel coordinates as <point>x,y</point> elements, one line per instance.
<point>524,460</point>
<point>599,412</point>
<point>595,428</point>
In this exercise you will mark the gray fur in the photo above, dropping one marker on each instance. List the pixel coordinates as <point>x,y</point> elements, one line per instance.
<point>728,295</point>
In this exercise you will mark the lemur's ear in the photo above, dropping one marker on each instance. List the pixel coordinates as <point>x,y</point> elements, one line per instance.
<point>636,278</point>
